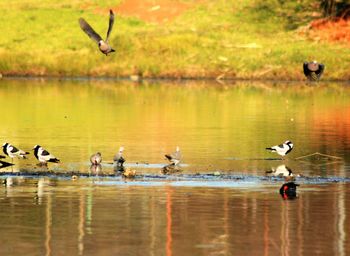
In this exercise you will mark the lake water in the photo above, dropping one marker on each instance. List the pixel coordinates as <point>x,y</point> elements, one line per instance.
<point>221,129</point>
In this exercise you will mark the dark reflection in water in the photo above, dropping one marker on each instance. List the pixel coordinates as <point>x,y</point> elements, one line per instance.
<point>56,217</point>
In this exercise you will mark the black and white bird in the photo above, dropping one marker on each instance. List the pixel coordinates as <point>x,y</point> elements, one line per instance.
<point>175,157</point>
<point>313,70</point>
<point>103,45</point>
<point>282,149</point>
<point>43,155</point>
<point>13,152</point>
<point>118,159</point>
<point>96,159</point>
<point>289,190</point>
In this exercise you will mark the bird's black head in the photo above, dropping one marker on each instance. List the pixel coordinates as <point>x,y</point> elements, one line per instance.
<point>36,147</point>
<point>4,145</point>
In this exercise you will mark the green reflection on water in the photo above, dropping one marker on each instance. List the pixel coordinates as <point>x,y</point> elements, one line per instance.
<point>209,121</point>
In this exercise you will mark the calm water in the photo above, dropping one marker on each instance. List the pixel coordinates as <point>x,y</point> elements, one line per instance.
<point>218,128</point>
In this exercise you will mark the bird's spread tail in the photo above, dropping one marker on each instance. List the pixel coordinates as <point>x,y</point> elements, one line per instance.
<point>270,149</point>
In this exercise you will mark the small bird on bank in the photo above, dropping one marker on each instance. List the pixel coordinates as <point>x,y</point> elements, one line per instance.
<point>175,157</point>
<point>44,156</point>
<point>282,149</point>
<point>118,159</point>
<point>13,152</point>
<point>96,159</point>
<point>313,70</point>
<point>103,45</point>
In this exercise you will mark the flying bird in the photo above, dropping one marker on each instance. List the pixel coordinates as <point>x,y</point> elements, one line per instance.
<point>313,70</point>
<point>282,149</point>
<point>96,159</point>
<point>43,155</point>
<point>175,157</point>
<point>103,45</point>
<point>118,158</point>
<point>13,152</point>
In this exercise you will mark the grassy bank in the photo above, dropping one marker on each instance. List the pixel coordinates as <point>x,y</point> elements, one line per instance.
<point>230,39</point>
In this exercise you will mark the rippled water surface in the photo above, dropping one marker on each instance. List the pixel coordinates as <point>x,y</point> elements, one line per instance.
<point>222,202</point>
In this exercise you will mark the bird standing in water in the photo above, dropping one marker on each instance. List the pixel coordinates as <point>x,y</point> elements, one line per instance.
<point>44,156</point>
<point>13,152</point>
<point>118,158</point>
<point>103,45</point>
<point>96,159</point>
<point>282,149</point>
<point>175,157</point>
<point>313,70</point>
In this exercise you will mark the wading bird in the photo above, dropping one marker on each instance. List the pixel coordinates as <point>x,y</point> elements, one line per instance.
<point>282,149</point>
<point>313,70</point>
<point>118,159</point>
<point>103,45</point>
<point>96,159</point>
<point>13,152</point>
<point>175,157</point>
<point>43,155</point>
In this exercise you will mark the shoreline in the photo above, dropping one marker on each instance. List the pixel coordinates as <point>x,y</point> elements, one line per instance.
<point>165,79</point>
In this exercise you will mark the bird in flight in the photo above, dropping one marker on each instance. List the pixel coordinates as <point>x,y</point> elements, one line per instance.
<point>313,70</point>
<point>103,45</point>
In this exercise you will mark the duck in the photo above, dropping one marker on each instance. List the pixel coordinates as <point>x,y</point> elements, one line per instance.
<point>103,45</point>
<point>289,190</point>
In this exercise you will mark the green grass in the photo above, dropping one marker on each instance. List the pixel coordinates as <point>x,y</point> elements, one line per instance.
<point>232,38</point>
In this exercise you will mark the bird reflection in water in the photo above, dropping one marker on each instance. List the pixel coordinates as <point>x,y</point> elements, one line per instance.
<point>96,169</point>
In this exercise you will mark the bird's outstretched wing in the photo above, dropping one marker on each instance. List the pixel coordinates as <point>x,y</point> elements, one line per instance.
<point>89,30</point>
<point>111,22</point>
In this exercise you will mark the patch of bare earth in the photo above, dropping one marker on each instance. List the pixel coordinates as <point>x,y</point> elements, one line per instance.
<point>153,11</point>
<point>330,30</point>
